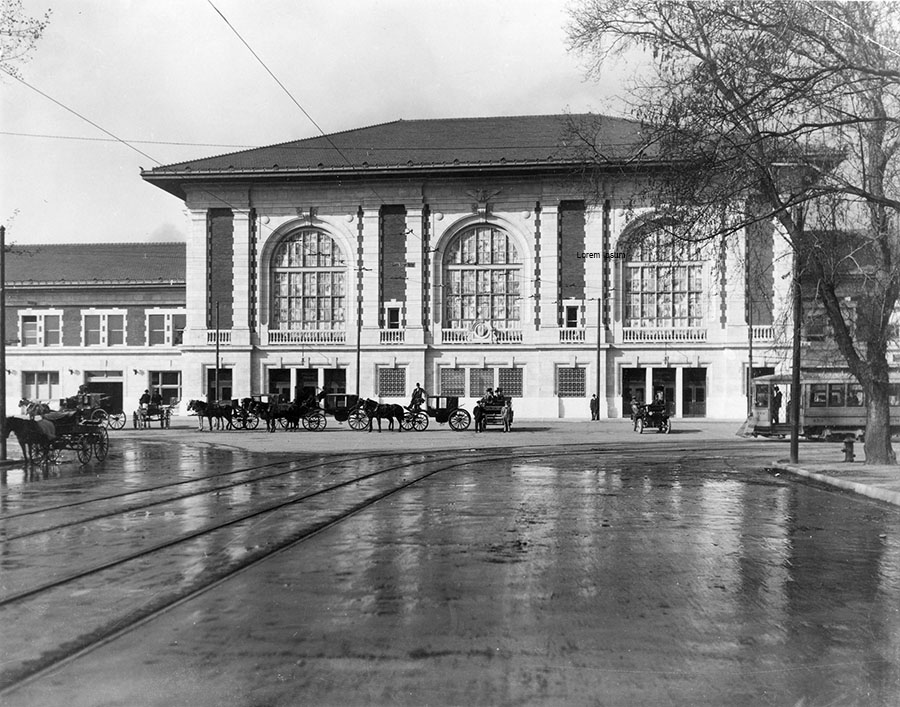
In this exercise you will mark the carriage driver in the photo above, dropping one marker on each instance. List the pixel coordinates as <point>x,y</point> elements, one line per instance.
<point>145,399</point>
<point>155,398</point>
<point>418,398</point>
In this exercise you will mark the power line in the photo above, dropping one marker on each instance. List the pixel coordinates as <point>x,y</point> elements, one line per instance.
<point>138,142</point>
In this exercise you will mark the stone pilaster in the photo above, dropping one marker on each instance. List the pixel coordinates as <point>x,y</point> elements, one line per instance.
<point>240,332</point>
<point>196,285</point>
<point>415,333</point>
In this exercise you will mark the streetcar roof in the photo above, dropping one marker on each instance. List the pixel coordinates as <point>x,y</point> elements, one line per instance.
<point>820,377</point>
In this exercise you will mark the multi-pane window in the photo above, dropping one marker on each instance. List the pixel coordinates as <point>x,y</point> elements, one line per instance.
<point>663,283</point>
<point>40,385</point>
<point>483,272</point>
<point>571,382</point>
<point>168,384</point>
<point>308,282</point>
<point>480,379</point>
<point>510,380</point>
<point>103,328</point>
<point>392,382</point>
<point>165,328</point>
<point>40,328</point>
<point>453,381</point>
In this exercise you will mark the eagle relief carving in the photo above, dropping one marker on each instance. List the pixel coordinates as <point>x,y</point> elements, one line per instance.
<point>482,197</point>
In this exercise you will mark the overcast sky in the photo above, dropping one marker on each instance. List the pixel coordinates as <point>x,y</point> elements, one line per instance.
<point>154,72</point>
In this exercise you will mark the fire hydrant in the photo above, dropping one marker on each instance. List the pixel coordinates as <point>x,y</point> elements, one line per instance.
<point>848,450</point>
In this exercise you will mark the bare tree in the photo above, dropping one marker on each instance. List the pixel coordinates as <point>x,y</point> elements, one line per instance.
<point>19,34</point>
<point>790,109</point>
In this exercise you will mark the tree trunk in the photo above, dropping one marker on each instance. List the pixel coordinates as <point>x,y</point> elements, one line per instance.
<point>878,427</point>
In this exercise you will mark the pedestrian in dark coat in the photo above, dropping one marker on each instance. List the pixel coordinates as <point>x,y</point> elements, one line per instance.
<point>595,407</point>
<point>478,416</point>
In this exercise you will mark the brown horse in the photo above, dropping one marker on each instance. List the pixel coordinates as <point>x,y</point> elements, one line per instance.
<point>32,438</point>
<point>384,411</point>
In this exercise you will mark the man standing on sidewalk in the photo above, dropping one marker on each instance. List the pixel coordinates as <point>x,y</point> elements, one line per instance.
<point>595,407</point>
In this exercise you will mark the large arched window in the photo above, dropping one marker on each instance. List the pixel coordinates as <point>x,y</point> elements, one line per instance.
<point>308,282</point>
<point>663,282</point>
<point>482,276</point>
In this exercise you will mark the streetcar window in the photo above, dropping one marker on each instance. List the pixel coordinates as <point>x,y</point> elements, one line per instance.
<point>894,394</point>
<point>835,395</point>
<point>855,397</point>
<point>761,399</point>
<point>818,395</point>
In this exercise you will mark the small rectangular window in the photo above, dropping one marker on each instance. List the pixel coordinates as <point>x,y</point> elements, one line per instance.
<point>393,317</point>
<point>571,317</point>
<point>855,396</point>
<point>156,329</point>
<point>894,394</point>
<point>92,330</point>
<point>835,395</point>
<point>115,329</point>
<point>818,395</point>
<point>168,383</point>
<point>30,336</point>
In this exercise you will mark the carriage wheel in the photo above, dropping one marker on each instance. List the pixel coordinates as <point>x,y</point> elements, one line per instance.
<point>460,420</point>
<point>358,420</point>
<point>99,416</point>
<point>252,421</point>
<point>640,425</point>
<point>116,421</point>
<point>315,422</point>
<point>284,422</point>
<point>420,421</point>
<point>408,422</point>
<point>665,426</point>
<point>84,449</point>
<point>101,443</point>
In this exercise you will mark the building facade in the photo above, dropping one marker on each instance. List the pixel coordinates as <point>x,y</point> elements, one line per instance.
<point>110,316</point>
<point>459,254</point>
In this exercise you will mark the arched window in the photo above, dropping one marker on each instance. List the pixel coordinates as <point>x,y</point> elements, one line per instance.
<point>663,282</point>
<point>308,278</point>
<point>482,276</point>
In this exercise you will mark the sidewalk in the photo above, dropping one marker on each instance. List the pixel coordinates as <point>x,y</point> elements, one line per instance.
<point>821,463</point>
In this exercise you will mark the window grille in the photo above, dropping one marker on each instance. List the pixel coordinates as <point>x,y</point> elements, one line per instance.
<point>510,379</point>
<point>571,382</point>
<point>480,379</point>
<point>392,382</point>
<point>453,381</point>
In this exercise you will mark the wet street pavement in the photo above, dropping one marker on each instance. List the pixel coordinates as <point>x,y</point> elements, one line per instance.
<point>667,573</point>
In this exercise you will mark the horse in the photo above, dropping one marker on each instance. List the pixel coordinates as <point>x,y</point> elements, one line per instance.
<point>211,411</point>
<point>34,408</point>
<point>31,435</point>
<point>384,411</point>
<point>272,412</point>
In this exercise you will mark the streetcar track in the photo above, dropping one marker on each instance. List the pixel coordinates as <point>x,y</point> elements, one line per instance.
<point>35,668</point>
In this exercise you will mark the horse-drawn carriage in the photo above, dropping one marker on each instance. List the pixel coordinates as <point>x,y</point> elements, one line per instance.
<point>43,441</point>
<point>655,414</point>
<point>289,415</point>
<point>146,414</point>
<point>446,409</point>
<point>95,407</point>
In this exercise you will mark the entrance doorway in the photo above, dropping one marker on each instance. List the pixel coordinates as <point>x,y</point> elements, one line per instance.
<point>307,382</point>
<point>693,399</point>
<point>335,380</point>
<point>107,383</point>
<point>224,391</point>
<point>664,382</point>
<point>634,384</point>
<point>280,383</point>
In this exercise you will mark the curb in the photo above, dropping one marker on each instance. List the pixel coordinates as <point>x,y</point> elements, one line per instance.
<point>892,497</point>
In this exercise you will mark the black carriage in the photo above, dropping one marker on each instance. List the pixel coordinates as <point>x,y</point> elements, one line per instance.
<point>444,409</point>
<point>306,413</point>
<point>648,415</point>
<point>344,407</point>
<point>86,437</point>
<point>145,415</point>
<point>244,415</point>
<point>94,407</point>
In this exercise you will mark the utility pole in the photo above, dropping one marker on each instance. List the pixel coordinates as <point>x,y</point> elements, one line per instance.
<point>796,392</point>
<point>216,378</point>
<point>2,343</point>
